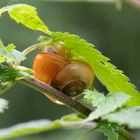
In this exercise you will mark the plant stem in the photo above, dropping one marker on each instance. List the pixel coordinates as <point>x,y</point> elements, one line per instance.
<point>50,91</point>
<point>35,46</point>
<point>126,135</point>
<point>78,124</point>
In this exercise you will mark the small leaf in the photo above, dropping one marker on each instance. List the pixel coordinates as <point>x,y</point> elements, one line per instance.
<point>127,116</point>
<point>104,104</point>
<point>15,56</point>
<point>10,47</point>
<point>8,73</point>
<point>9,54</point>
<point>26,15</point>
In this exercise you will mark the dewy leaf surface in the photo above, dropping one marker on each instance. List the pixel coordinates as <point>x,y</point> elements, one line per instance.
<point>26,15</point>
<point>127,116</point>
<point>108,74</point>
<point>104,104</point>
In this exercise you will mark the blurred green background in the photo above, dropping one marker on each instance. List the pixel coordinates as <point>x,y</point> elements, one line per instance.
<point>116,33</point>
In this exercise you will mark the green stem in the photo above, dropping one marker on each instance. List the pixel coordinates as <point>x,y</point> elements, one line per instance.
<point>50,91</point>
<point>34,47</point>
<point>124,135</point>
<point>78,124</point>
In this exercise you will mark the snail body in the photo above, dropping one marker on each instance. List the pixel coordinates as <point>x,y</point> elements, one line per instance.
<point>54,68</point>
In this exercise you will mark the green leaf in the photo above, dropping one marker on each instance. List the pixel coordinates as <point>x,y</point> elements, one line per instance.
<point>14,56</point>
<point>104,104</point>
<point>10,47</point>
<point>8,73</point>
<point>110,130</point>
<point>33,127</point>
<point>28,128</point>
<point>3,105</point>
<point>9,54</point>
<point>127,116</point>
<point>108,74</point>
<point>26,15</point>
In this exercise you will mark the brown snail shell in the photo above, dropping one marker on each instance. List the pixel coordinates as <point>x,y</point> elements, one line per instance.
<point>54,68</point>
<point>73,78</point>
<point>46,67</point>
<point>59,50</point>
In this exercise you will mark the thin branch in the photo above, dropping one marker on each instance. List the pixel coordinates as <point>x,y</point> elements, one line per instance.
<point>48,90</point>
<point>78,124</point>
<point>34,47</point>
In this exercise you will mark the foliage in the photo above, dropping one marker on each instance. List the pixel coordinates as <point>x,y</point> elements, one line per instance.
<point>107,73</point>
<point>39,126</point>
<point>126,116</point>
<point>104,105</point>
<point>121,105</point>
<point>26,15</point>
<point>110,130</point>
<point>9,54</point>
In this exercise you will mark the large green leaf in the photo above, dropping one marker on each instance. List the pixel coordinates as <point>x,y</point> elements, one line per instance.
<point>26,15</point>
<point>104,104</point>
<point>108,74</point>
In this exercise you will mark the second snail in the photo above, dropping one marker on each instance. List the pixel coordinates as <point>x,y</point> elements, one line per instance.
<point>56,68</point>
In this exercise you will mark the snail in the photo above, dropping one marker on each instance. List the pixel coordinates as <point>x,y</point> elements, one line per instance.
<point>55,68</point>
<point>73,78</point>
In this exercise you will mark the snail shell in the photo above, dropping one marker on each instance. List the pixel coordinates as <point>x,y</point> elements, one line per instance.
<point>73,78</point>
<point>70,77</point>
<point>59,50</point>
<point>47,65</point>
